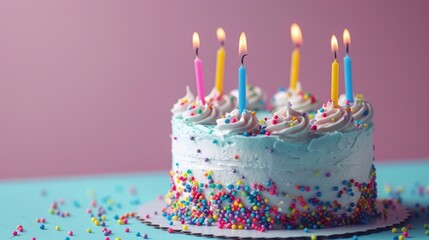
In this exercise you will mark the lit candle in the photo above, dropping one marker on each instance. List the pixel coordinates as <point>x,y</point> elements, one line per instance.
<point>220,63</point>
<point>198,64</point>
<point>335,72</point>
<point>348,80</point>
<point>242,77</point>
<point>295,32</point>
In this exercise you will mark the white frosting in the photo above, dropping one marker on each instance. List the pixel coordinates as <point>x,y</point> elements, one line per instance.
<point>287,122</point>
<point>256,98</point>
<point>330,118</point>
<point>301,101</point>
<point>236,122</point>
<point>183,103</point>
<point>362,110</point>
<point>223,102</point>
<point>197,113</point>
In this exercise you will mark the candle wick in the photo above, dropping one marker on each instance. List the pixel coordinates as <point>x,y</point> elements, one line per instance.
<point>222,43</point>
<point>335,54</point>
<point>196,51</point>
<point>242,59</point>
<point>347,48</point>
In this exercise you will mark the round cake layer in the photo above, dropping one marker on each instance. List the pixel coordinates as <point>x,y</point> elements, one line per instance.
<point>259,182</point>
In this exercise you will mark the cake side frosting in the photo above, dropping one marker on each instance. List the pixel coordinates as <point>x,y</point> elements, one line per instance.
<point>286,181</point>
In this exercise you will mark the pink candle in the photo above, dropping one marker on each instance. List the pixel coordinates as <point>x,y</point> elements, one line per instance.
<point>198,64</point>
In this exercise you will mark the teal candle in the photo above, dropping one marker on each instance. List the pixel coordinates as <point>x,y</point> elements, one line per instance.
<point>242,88</point>
<point>348,78</point>
<point>242,75</point>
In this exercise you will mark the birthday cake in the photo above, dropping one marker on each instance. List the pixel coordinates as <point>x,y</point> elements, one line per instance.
<point>304,165</point>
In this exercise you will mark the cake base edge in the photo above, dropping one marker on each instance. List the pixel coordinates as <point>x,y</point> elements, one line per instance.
<point>394,215</point>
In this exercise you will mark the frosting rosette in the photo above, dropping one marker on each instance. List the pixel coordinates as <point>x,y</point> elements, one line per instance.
<point>300,100</point>
<point>330,118</point>
<point>183,103</point>
<point>223,102</point>
<point>256,98</point>
<point>362,110</point>
<point>287,122</point>
<point>197,113</point>
<point>236,122</point>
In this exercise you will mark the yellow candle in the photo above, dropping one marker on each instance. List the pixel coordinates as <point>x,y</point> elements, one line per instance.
<point>294,69</point>
<point>334,82</point>
<point>296,35</point>
<point>335,72</point>
<point>220,63</point>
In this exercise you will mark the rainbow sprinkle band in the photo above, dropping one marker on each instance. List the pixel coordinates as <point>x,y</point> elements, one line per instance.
<point>226,205</point>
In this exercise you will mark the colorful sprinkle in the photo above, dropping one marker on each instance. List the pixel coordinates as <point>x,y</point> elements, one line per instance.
<point>263,215</point>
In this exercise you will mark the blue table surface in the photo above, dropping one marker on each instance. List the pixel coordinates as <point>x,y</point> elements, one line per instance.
<point>22,201</point>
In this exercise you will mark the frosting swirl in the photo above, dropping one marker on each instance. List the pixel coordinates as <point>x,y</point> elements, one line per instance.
<point>288,122</point>
<point>362,110</point>
<point>224,103</point>
<point>300,100</point>
<point>234,122</point>
<point>183,103</point>
<point>330,118</point>
<point>197,113</point>
<point>256,98</point>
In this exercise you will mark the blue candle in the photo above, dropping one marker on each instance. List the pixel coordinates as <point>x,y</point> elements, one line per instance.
<point>242,76</point>
<point>348,79</point>
<point>241,88</point>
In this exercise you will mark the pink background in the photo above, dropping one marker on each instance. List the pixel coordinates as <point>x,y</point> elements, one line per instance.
<point>87,86</point>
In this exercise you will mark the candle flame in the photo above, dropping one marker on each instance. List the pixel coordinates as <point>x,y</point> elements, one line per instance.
<point>195,40</point>
<point>346,37</point>
<point>221,35</point>
<point>296,35</point>
<point>242,45</point>
<point>334,43</point>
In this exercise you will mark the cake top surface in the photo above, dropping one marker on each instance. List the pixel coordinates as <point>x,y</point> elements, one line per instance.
<point>296,114</point>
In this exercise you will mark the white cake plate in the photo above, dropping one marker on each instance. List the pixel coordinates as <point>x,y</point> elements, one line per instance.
<point>394,217</point>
